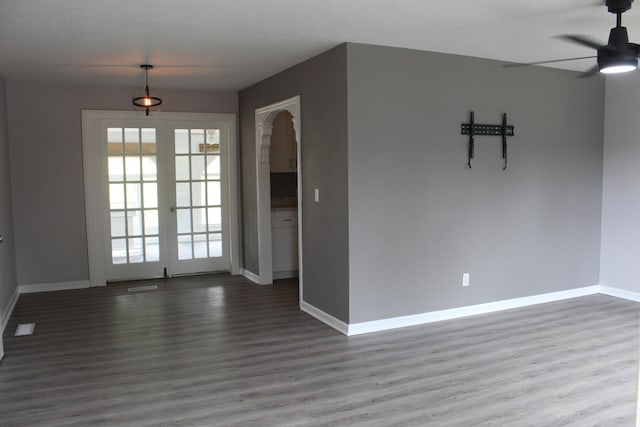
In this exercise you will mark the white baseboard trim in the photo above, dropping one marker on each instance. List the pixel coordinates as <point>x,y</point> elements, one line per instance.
<point>251,276</point>
<point>455,313</point>
<point>620,293</point>
<point>56,286</point>
<point>325,318</point>
<point>8,310</point>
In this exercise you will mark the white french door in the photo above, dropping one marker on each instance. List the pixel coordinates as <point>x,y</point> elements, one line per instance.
<point>199,214</point>
<point>161,187</point>
<point>133,227</point>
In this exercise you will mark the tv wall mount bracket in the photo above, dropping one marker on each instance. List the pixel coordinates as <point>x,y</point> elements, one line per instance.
<point>472,129</point>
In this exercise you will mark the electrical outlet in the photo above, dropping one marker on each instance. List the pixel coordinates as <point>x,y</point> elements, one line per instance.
<point>465,279</point>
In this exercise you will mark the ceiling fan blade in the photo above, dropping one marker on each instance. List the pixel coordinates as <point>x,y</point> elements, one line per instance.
<point>590,72</point>
<point>582,40</point>
<point>526,64</point>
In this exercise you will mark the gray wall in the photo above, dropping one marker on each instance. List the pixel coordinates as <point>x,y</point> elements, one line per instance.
<point>418,218</point>
<point>45,137</point>
<point>621,195</point>
<point>321,83</point>
<point>8,280</point>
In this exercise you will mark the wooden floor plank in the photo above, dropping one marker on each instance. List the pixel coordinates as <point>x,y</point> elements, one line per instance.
<point>220,351</point>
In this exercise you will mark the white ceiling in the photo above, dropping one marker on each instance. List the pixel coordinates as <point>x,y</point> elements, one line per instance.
<point>230,44</point>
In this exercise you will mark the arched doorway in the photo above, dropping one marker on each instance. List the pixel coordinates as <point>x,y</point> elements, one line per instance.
<point>264,127</point>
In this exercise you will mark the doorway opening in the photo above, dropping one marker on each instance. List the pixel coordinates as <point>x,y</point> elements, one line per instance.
<point>284,197</point>
<point>266,121</point>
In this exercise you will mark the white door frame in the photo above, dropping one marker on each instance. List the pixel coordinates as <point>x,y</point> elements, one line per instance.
<point>96,217</point>
<point>264,127</point>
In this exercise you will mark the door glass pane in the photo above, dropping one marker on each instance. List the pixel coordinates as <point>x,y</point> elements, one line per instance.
<point>198,196</point>
<point>150,222</point>
<point>149,168</point>
<point>182,141</point>
<point>213,138</point>
<point>150,191</point>
<point>152,249</point>
<point>199,220</point>
<point>200,246</point>
<point>182,168</point>
<point>197,168</point>
<point>215,244</point>
<point>132,141</point>
<point>114,141</point>
<point>134,196</point>
<point>182,194</point>
<point>197,141</point>
<point>215,219</point>
<point>184,220</point>
<point>132,168</point>
<point>213,193</point>
<point>184,248</point>
<point>117,224</point>
<point>116,168</point>
<point>116,196</point>
<point>134,223</point>
<point>119,251</point>
<point>213,167</point>
<point>148,139</point>
<point>136,251</point>
<point>114,135</point>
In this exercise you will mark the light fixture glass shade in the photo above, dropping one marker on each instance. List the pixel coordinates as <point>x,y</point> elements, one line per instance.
<point>146,100</point>
<point>619,68</point>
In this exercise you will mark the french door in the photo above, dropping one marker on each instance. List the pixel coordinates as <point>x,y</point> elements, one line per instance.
<point>162,187</point>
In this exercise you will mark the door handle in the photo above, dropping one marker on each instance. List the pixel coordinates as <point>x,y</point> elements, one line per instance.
<point>172,208</point>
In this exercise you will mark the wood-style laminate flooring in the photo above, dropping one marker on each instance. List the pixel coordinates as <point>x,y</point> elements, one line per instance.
<point>219,351</point>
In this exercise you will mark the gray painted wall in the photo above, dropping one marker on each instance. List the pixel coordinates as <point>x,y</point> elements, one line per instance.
<point>8,280</point>
<point>321,83</point>
<point>418,218</point>
<point>621,197</point>
<point>45,137</point>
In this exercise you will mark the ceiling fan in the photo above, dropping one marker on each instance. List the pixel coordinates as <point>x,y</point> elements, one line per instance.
<point>617,56</point>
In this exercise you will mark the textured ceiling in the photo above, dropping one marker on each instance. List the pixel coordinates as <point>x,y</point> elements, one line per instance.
<point>215,44</point>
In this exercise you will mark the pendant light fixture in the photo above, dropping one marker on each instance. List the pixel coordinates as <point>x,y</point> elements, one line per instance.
<point>146,101</point>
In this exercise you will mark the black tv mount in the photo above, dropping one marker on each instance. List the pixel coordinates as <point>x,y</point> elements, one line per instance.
<point>472,129</point>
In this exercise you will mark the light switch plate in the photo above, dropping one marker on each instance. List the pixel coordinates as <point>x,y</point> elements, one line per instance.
<point>316,195</point>
<point>465,279</point>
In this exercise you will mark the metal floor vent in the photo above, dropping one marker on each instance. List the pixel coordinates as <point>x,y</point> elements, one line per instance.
<point>143,288</point>
<point>25,329</point>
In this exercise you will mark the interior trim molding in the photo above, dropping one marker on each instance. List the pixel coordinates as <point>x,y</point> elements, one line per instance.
<point>325,318</point>
<point>8,310</point>
<point>471,310</point>
<point>251,276</point>
<point>620,293</point>
<point>263,126</point>
<point>56,286</point>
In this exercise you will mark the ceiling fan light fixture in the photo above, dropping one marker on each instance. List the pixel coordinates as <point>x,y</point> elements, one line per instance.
<point>617,69</point>
<point>146,101</point>
<point>615,64</point>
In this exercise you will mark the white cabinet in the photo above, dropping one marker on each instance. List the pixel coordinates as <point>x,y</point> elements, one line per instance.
<point>284,243</point>
<point>284,150</point>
